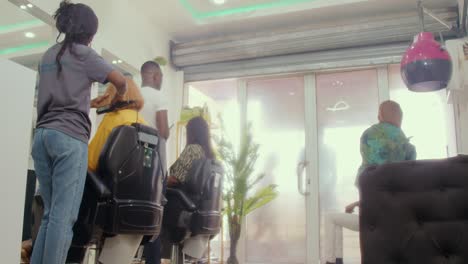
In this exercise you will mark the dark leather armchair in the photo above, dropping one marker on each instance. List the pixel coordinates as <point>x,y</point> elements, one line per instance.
<point>130,168</point>
<point>194,208</point>
<point>124,196</point>
<point>415,212</point>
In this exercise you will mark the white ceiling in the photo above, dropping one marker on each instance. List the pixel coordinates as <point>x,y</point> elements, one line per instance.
<point>174,18</point>
<point>30,61</point>
<point>18,38</point>
<point>177,21</point>
<point>15,23</point>
<point>10,14</point>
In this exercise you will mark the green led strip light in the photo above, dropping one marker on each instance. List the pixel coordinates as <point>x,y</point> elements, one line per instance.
<point>242,9</point>
<point>30,23</point>
<point>24,47</point>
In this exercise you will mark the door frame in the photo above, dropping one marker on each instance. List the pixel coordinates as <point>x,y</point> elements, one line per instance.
<point>312,172</point>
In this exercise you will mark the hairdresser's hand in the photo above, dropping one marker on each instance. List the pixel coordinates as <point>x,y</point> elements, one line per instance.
<point>97,102</point>
<point>117,98</point>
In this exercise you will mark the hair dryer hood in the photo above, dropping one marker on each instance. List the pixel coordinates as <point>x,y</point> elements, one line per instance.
<point>426,65</point>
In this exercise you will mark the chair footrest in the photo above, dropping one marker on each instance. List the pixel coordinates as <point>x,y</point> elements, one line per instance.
<point>206,223</point>
<point>133,218</point>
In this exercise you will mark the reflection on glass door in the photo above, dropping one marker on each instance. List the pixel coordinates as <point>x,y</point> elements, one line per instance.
<point>221,98</point>
<point>347,104</point>
<point>276,233</point>
<point>425,117</point>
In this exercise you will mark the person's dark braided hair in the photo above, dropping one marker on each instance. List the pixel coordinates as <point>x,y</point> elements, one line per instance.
<point>78,22</point>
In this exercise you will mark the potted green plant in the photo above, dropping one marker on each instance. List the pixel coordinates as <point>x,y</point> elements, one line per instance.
<point>241,192</point>
<point>160,60</point>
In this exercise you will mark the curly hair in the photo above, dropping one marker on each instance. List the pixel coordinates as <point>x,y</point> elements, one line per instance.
<point>133,94</point>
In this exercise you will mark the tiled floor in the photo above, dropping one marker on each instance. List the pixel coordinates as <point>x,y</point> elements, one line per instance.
<point>351,247</point>
<point>352,254</point>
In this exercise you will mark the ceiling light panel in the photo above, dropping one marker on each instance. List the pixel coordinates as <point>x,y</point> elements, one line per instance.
<point>29,35</point>
<point>202,9</point>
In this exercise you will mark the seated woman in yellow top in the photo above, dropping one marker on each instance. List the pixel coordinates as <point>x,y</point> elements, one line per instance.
<point>125,116</point>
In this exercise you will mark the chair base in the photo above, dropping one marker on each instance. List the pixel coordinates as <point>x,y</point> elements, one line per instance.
<point>177,256</point>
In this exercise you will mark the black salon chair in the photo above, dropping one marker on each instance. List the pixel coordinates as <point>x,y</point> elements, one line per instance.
<point>193,208</point>
<point>124,196</point>
<point>415,212</point>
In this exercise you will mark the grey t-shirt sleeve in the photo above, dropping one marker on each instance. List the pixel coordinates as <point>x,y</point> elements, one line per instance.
<point>97,68</point>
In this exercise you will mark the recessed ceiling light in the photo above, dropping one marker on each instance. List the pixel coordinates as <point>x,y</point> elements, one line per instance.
<point>114,62</point>
<point>23,7</point>
<point>29,35</point>
<point>218,2</point>
<point>292,93</point>
<point>30,5</point>
<point>119,61</point>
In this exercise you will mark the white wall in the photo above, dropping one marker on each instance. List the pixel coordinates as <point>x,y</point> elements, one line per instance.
<point>461,115</point>
<point>18,95</point>
<point>458,93</point>
<point>127,32</point>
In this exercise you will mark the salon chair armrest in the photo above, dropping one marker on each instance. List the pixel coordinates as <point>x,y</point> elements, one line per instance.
<point>99,187</point>
<point>184,199</point>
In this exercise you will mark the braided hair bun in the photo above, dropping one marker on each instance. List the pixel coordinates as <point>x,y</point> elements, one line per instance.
<point>76,19</point>
<point>78,22</point>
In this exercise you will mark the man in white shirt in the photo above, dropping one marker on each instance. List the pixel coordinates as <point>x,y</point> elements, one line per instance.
<point>155,108</point>
<point>155,113</point>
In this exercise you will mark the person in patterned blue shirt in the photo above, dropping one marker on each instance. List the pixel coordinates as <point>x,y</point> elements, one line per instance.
<point>382,143</point>
<point>385,142</point>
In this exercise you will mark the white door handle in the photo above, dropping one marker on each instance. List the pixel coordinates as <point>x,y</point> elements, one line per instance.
<point>300,177</point>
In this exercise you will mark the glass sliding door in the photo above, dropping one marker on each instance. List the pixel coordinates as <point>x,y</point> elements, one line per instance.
<point>222,101</point>
<point>347,104</point>
<point>277,232</point>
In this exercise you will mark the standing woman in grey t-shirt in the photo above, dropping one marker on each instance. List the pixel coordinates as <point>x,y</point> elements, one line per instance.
<point>60,149</point>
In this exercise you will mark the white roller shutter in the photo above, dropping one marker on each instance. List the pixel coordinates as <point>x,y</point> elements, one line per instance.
<point>377,40</point>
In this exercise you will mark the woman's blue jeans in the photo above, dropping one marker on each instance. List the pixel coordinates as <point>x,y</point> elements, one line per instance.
<point>60,162</point>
